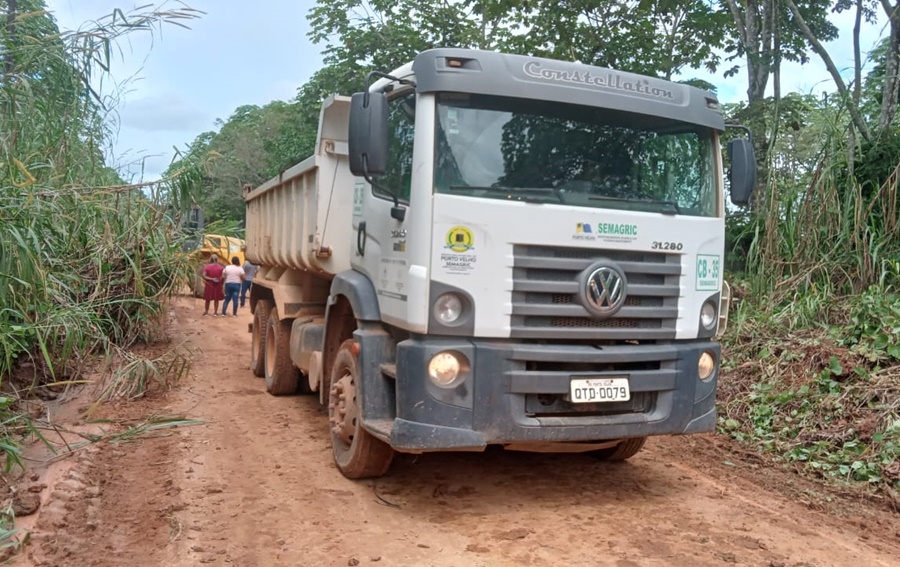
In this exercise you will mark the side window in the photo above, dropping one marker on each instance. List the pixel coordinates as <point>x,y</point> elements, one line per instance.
<point>401,128</point>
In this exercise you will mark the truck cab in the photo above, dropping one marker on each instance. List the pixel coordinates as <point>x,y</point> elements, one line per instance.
<point>535,260</point>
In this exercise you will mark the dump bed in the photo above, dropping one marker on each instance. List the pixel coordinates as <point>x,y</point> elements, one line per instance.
<point>301,219</point>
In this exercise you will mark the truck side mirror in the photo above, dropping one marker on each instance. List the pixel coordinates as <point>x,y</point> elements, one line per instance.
<point>743,171</point>
<point>368,136</point>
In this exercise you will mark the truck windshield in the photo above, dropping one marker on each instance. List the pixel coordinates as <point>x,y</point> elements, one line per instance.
<point>550,152</point>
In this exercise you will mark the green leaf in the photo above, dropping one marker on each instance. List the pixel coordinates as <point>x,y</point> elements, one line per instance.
<point>835,367</point>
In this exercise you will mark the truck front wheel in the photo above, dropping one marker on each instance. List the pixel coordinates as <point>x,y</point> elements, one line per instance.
<point>624,450</point>
<point>258,348</point>
<point>282,377</point>
<point>357,453</point>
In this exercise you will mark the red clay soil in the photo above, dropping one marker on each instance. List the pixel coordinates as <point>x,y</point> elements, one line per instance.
<point>255,485</point>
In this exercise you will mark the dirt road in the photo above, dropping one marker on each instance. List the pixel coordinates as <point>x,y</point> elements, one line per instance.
<point>255,486</point>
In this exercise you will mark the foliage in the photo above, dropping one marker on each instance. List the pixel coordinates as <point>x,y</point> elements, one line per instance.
<point>135,374</point>
<point>656,37</point>
<point>814,373</point>
<point>86,262</point>
<point>828,217</point>
<point>254,144</point>
<point>8,533</point>
<point>794,389</point>
<point>765,35</point>
<point>873,331</point>
<point>133,431</point>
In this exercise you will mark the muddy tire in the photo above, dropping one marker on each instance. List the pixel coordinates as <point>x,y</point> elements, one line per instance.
<point>282,377</point>
<point>357,453</point>
<point>624,450</point>
<point>258,344</point>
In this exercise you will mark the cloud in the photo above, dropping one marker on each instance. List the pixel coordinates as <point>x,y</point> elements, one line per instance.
<point>163,113</point>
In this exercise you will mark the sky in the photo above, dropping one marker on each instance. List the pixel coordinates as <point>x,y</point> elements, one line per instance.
<point>175,84</point>
<point>178,82</point>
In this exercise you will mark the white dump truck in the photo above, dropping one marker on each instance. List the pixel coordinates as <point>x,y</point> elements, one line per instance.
<point>493,249</point>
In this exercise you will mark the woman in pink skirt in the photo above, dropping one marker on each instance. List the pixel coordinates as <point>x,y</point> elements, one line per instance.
<point>212,273</point>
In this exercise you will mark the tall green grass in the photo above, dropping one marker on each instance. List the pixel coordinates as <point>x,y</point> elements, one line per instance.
<point>87,261</point>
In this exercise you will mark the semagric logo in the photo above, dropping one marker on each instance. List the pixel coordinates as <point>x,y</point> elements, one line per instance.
<point>606,228</point>
<point>616,229</point>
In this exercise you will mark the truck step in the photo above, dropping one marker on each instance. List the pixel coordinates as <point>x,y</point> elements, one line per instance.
<point>380,428</point>
<point>389,369</point>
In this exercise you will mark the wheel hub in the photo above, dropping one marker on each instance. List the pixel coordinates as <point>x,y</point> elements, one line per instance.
<point>342,409</point>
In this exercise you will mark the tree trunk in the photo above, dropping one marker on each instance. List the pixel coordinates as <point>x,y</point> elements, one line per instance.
<point>754,34</point>
<point>776,62</point>
<point>755,31</point>
<point>758,79</point>
<point>889,90</point>
<point>857,86</point>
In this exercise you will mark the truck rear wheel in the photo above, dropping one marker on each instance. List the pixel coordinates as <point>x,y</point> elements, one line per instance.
<point>258,348</point>
<point>282,377</point>
<point>624,450</point>
<point>357,453</point>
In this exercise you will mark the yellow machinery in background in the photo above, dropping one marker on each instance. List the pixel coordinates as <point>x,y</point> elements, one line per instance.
<point>225,247</point>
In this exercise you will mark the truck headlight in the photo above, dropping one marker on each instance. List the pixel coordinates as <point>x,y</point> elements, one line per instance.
<point>446,369</point>
<point>708,315</point>
<point>706,366</point>
<point>448,308</point>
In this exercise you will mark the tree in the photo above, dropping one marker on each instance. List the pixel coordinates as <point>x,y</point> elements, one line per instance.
<point>653,37</point>
<point>891,80</point>
<point>819,48</point>
<point>253,145</point>
<point>767,34</point>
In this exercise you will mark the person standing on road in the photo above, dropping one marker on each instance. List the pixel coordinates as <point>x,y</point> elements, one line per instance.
<point>234,275</point>
<point>249,272</point>
<point>212,290</point>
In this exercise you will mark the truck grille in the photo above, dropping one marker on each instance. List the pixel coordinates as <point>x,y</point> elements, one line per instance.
<point>546,294</point>
<point>541,375</point>
<point>544,405</point>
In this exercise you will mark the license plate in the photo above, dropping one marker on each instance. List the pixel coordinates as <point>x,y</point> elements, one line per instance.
<point>598,390</point>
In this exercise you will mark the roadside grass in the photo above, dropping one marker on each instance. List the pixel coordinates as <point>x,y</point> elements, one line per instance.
<point>88,259</point>
<point>815,383</point>
<point>10,542</point>
<point>131,376</point>
<point>811,372</point>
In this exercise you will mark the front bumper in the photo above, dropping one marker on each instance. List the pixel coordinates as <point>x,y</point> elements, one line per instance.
<point>518,393</point>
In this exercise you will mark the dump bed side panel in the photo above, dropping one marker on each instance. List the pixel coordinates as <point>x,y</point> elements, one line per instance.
<point>301,219</point>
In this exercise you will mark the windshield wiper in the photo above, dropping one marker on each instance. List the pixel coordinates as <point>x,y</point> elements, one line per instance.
<point>671,207</point>
<point>502,189</point>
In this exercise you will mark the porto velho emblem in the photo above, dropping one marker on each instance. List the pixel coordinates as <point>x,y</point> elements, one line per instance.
<point>460,239</point>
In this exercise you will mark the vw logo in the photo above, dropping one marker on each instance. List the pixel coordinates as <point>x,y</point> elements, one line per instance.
<point>604,290</point>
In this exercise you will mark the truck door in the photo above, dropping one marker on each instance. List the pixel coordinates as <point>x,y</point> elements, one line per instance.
<point>380,241</point>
